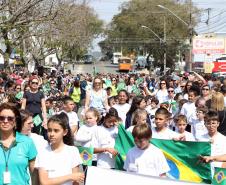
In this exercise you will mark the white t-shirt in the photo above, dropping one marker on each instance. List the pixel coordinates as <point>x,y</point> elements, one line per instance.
<point>73,118</point>
<point>217,146</point>
<point>85,135</point>
<point>188,136</point>
<point>162,96</point>
<point>39,141</point>
<point>198,129</point>
<point>165,134</point>
<point>122,111</point>
<point>189,110</point>
<point>105,138</point>
<point>150,161</point>
<point>59,164</point>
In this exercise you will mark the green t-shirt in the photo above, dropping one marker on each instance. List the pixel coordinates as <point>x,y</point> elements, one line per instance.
<point>22,151</point>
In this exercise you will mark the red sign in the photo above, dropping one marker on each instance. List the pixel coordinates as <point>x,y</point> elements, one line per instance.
<point>219,67</point>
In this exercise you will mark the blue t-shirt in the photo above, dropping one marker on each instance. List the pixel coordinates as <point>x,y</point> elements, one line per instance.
<point>22,151</point>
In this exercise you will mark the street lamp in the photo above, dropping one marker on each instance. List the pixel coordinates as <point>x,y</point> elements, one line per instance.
<point>161,41</point>
<point>190,31</point>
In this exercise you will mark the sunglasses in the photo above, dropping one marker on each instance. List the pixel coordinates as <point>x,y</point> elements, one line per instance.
<point>170,91</point>
<point>8,118</point>
<point>18,88</point>
<point>52,83</point>
<point>34,83</point>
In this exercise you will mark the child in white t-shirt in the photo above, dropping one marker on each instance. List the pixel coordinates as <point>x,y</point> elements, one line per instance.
<point>104,141</point>
<point>181,124</point>
<point>145,158</point>
<point>86,132</point>
<point>198,127</point>
<point>216,138</point>
<point>58,163</point>
<point>68,107</point>
<point>161,131</point>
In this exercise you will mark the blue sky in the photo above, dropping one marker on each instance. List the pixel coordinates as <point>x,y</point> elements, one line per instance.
<point>106,9</point>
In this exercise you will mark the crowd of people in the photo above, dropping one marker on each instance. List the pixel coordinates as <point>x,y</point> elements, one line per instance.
<point>44,117</point>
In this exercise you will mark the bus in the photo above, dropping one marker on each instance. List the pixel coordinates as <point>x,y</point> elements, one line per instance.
<point>115,57</point>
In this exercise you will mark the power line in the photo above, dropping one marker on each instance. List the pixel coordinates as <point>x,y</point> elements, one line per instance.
<point>212,26</point>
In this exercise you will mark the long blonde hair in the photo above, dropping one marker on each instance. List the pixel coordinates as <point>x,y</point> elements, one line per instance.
<point>136,116</point>
<point>217,101</point>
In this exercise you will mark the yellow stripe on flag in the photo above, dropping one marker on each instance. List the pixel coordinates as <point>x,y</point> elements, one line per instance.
<point>185,173</point>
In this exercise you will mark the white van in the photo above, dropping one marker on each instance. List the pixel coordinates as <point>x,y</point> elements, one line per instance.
<point>116,56</point>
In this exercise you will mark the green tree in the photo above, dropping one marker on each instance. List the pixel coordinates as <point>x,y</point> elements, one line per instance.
<point>126,30</point>
<point>37,28</point>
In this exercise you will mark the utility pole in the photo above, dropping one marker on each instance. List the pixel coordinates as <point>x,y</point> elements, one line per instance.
<point>164,40</point>
<point>190,39</point>
<point>190,29</point>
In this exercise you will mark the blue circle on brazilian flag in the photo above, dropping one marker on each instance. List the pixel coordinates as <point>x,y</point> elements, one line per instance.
<point>174,171</point>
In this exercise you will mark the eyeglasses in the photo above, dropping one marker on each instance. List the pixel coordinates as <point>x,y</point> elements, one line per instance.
<point>204,89</point>
<point>97,82</point>
<point>8,118</point>
<point>34,83</point>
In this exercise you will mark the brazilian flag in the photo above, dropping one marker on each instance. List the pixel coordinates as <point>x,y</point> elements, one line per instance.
<point>219,176</point>
<point>182,156</point>
<point>86,155</point>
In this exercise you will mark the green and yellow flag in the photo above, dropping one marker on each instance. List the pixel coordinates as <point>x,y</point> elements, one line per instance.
<point>219,176</point>
<point>182,156</point>
<point>86,155</point>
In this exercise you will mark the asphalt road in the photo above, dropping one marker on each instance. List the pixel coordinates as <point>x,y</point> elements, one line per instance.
<point>101,67</point>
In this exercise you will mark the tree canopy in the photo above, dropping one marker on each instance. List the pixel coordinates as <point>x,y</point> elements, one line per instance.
<point>36,28</point>
<point>133,27</point>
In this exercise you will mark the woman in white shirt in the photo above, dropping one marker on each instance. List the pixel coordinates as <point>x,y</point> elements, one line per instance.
<point>162,93</point>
